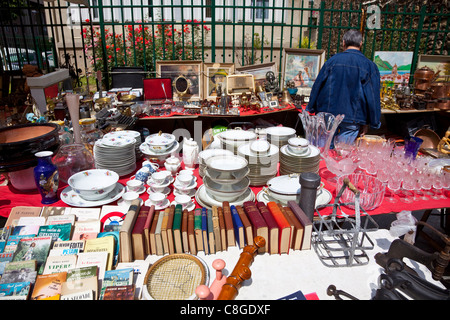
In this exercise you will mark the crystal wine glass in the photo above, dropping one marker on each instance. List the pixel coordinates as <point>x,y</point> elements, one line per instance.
<point>394,184</point>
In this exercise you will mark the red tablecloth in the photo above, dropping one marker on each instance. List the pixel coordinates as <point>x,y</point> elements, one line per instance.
<point>9,197</point>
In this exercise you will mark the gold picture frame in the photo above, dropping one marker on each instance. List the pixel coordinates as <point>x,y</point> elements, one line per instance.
<point>214,74</point>
<point>189,70</point>
<point>302,66</point>
<point>259,71</point>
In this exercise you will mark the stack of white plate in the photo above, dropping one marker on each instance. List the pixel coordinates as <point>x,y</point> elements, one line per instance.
<point>225,180</point>
<point>279,136</point>
<point>291,162</point>
<point>205,154</point>
<point>262,160</point>
<point>128,134</point>
<point>232,139</point>
<point>116,154</point>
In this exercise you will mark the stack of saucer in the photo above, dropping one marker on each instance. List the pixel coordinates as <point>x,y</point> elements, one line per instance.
<point>298,156</point>
<point>115,154</point>
<point>226,179</point>
<point>128,134</point>
<point>262,160</point>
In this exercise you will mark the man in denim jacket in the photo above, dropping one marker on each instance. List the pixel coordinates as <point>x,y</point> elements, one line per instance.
<point>349,84</point>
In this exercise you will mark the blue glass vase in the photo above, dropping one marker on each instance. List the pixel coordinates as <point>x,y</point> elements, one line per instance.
<point>46,177</point>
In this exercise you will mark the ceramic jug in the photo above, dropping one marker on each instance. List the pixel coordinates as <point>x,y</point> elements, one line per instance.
<point>190,153</point>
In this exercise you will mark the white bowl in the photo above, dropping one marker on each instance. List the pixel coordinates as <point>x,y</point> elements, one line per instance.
<point>160,142</point>
<point>226,192</point>
<point>205,154</point>
<point>226,177</point>
<point>226,163</point>
<point>94,184</point>
<point>298,145</point>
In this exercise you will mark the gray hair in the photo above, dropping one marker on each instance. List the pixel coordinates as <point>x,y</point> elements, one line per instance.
<point>353,38</point>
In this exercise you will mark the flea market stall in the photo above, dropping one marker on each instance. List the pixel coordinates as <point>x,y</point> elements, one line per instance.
<point>219,181</point>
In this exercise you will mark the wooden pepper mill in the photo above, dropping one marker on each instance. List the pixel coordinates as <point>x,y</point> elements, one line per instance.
<point>241,271</point>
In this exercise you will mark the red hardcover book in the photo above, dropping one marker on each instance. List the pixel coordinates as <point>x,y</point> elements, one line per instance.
<point>260,227</point>
<point>274,231</point>
<point>284,227</point>
<point>231,240</point>
<point>147,227</point>
<point>137,235</point>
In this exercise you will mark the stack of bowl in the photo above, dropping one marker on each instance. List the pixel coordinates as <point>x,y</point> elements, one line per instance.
<point>159,146</point>
<point>279,136</point>
<point>262,158</point>
<point>205,154</point>
<point>299,156</point>
<point>232,139</point>
<point>226,179</point>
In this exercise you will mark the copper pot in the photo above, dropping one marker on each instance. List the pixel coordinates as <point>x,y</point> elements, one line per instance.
<point>440,90</point>
<point>424,73</point>
<point>443,104</point>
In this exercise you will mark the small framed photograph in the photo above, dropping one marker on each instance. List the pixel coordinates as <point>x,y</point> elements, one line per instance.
<point>186,76</point>
<point>259,71</point>
<point>215,75</point>
<point>301,67</point>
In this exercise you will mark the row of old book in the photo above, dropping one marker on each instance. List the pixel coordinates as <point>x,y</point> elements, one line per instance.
<point>174,230</point>
<point>43,257</point>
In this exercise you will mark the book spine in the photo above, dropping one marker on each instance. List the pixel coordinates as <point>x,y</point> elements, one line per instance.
<point>205,230</point>
<point>211,240</point>
<point>238,226</point>
<point>231,241</point>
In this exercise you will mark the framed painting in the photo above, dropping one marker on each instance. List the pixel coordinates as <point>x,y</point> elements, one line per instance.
<point>215,75</point>
<point>437,63</point>
<point>186,76</point>
<point>394,65</point>
<point>259,71</point>
<point>301,67</point>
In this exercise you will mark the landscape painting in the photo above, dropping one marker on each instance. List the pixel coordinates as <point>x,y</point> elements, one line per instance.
<point>394,65</point>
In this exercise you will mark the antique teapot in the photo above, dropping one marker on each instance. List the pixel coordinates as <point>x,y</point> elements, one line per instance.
<point>423,77</point>
<point>172,164</point>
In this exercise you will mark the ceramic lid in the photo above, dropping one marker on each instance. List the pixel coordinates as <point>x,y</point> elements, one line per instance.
<point>173,160</point>
<point>286,184</point>
<point>237,135</point>
<point>280,131</point>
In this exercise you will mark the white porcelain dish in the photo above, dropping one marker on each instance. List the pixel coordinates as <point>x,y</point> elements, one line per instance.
<point>205,200</point>
<point>226,163</point>
<point>226,177</point>
<point>160,142</point>
<point>93,184</point>
<point>226,192</point>
<point>205,154</point>
<point>73,199</point>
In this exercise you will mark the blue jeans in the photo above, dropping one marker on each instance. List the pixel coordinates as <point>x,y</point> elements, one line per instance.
<point>347,132</point>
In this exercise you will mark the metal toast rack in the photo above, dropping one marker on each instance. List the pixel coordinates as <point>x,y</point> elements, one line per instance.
<point>340,239</point>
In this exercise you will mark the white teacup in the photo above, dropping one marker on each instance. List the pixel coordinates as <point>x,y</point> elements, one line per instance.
<point>185,171</point>
<point>134,185</point>
<point>128,197</point>
<point>185,179</point>
<point>159,177</point>
<point>183,199</point>
<point>157,198</point>
<point>298,145</point>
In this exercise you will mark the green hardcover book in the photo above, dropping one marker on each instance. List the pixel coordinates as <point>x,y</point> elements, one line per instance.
<point>177,217</point>
<point>211,240</point>
<point>198,229</point>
